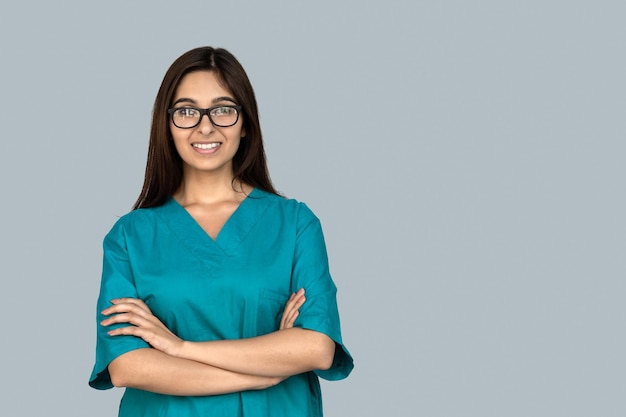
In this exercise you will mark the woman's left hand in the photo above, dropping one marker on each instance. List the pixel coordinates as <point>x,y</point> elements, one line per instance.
<point>143,323</point>
<point>292,309</point>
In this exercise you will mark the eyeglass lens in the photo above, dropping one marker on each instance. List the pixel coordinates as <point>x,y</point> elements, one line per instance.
<point>223,116</point>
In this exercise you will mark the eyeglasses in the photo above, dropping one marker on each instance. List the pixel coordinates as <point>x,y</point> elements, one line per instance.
<point>188,117</point>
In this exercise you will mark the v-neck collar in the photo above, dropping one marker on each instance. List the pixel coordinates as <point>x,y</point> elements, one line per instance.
<point>229,238</point>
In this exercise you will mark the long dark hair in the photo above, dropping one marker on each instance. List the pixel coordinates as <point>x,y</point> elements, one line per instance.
<point>164,167</point>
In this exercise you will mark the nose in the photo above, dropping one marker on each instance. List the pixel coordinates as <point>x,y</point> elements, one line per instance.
<point>205,127</point>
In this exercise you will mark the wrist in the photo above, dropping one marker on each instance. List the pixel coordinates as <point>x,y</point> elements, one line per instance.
<point>179,350</point>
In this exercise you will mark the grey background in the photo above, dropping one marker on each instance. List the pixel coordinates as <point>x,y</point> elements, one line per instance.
<point>465,158</point>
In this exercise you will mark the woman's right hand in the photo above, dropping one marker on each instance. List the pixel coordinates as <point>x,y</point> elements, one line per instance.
<point>291,311</point>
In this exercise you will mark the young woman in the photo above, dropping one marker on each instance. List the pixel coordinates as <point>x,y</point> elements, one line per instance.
<point>216,299</point>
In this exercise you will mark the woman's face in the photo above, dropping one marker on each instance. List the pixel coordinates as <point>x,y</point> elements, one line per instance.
<point>205,147</point>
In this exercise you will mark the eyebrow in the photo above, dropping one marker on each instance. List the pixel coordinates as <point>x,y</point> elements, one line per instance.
<point>214,101</point>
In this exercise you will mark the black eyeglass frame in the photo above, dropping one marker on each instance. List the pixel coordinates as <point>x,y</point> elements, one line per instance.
<point>208,114</point>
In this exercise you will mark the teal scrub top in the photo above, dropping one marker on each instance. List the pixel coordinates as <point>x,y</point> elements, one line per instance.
<point>233,287</point>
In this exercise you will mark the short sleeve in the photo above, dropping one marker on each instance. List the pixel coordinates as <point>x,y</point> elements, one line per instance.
<point>320,311</point>
<point>117,282</point>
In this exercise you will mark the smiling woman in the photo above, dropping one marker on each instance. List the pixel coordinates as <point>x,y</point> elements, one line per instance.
<point>216,298</point>
<point>202,144</point>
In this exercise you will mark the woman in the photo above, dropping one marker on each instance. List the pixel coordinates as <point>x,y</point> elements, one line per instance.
<point>202,308</point>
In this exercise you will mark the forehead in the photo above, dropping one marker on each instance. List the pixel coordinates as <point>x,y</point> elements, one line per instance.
<point>201,85</point>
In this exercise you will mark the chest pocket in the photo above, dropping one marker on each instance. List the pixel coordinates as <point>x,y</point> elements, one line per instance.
<point>269,311</point>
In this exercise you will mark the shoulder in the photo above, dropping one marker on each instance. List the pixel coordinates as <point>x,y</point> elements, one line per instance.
<point>288,206</point>
<point>133,221</point>
<point>291,214</point>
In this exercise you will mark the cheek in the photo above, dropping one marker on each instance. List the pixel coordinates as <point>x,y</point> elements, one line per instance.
<point>179,135</point>
<point>241,148</point>
<point>180,142</point>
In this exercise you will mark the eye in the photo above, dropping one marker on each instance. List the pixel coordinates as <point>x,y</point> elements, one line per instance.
<point>186,112</point>
<point>223,111</point>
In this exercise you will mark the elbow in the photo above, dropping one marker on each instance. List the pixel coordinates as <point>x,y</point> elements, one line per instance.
<point>130,368</point>
<point>326,354</point>
<point>321,350</point>
<point>117,382</point>
<point>119,370</point>
<point>116,374</point>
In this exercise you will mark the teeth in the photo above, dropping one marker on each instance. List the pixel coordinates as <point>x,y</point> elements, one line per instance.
<point>206,145</point>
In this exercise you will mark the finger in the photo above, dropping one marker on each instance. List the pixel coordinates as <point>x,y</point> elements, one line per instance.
<point>287,309</point>
<point>292,310</point>
<point>131,318</point>
<point>289,322</point>
<point>299,293</point>
<point>135,301</point>
<point>295,299</point>
<point>120,307</point>
<point>299,300</point>
<point>124,313</point>
<point>296,302</point>
<point>129,331</point>
<point>284,316</point>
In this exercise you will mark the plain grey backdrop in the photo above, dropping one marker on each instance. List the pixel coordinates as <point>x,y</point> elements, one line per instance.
<point>466,159</point>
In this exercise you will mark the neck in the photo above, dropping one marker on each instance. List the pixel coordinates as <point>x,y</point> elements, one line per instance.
<point>203,187</point>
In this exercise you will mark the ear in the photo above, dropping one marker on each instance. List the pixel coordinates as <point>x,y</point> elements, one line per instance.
<point>243,133</point>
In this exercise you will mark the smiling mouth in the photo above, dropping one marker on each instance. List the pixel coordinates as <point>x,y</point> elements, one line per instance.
<point>206,146</point>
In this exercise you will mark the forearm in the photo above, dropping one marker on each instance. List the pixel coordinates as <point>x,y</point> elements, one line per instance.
<point>155,371</point>
<point>278,354</point>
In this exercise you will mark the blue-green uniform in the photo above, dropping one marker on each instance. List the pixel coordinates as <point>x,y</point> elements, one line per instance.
<point>233,287</point>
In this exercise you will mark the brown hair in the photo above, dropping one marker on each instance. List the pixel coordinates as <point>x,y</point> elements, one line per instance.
<point>164,168</point>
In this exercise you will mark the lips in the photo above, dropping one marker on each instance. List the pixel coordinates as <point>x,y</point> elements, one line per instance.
<point>206,146</point>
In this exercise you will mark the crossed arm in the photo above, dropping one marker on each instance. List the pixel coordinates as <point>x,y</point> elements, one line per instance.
<point>216,367</point>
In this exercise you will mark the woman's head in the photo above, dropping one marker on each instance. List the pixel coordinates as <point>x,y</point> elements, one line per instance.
<point>164,168</point>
